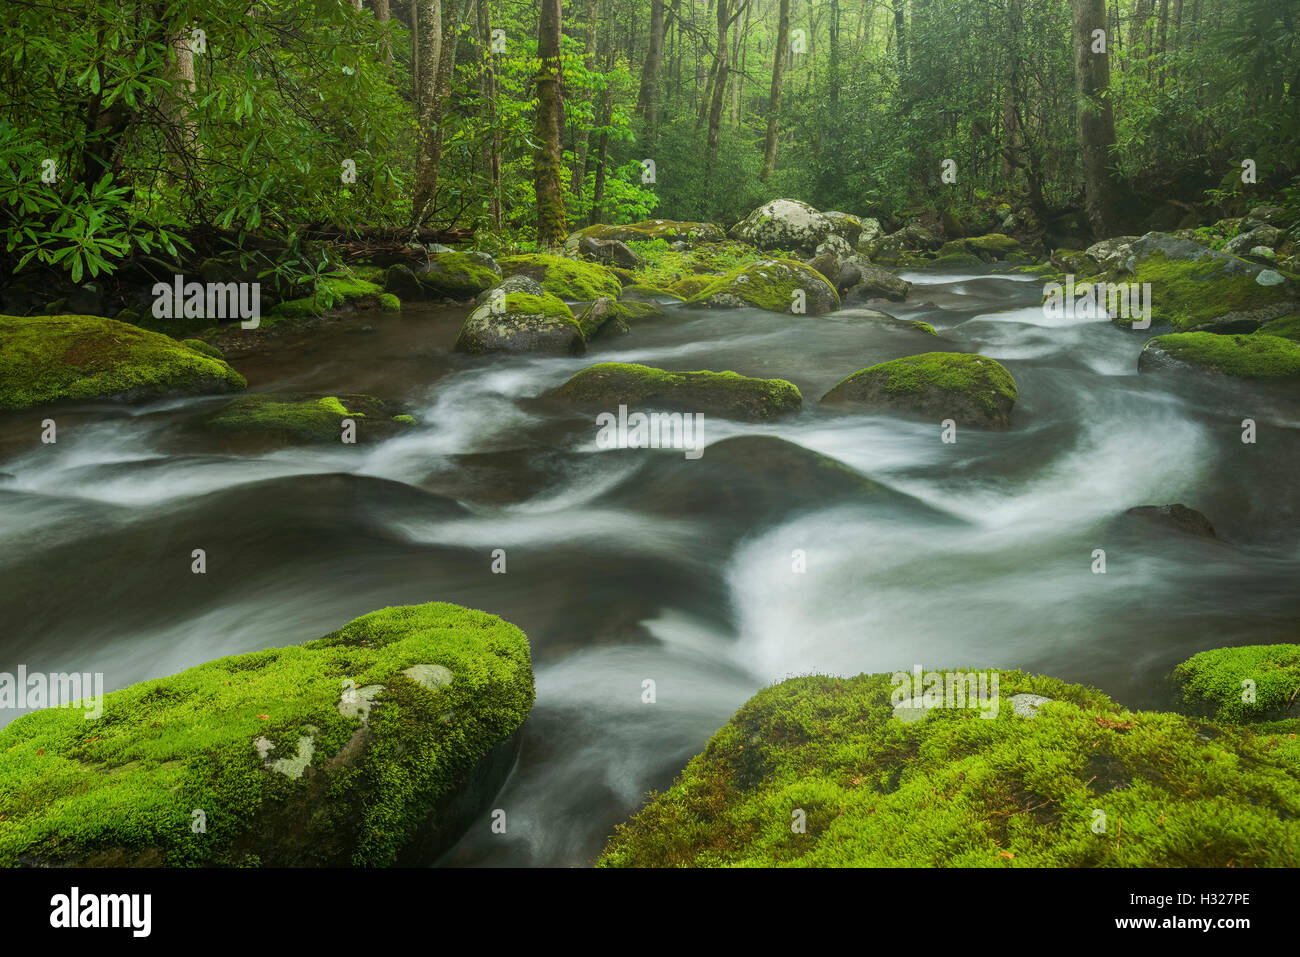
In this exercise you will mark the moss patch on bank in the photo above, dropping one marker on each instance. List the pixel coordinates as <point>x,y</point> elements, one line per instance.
<point>333,291</point>
<point>306,418</point>
<point>123,788</point>
<point>47,358</point>
<point>958,790</point>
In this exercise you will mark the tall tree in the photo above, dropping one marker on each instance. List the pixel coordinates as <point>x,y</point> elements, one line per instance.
<point>435,72</point>
<point>779,58</point>
<point>647,100</point>
<point>1096,118</point>
<point>551,221</point>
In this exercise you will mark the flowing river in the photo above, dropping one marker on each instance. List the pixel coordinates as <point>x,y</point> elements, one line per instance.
<point>625,566</point>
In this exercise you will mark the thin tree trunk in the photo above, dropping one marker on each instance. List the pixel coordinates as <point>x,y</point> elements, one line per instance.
<point>578,179</point>
<point>489,87</point>
<point>779,59</point>
<point>1096,120</point>
<point>647,100</point>
<point>551,219</point>
<point>382,15</point>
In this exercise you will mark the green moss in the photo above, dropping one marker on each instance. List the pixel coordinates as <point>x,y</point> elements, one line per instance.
<point>769,284</point>
<point>295,416</point>
<point>389,303</point>
<point>563,277</point>
<point>203,348</point>
<point>691,286</point>
<point>458,275</point>
<point>955,789</point>
<point>1215,682</point>
<point>606,386</point>
<point>986,380</point>
<point>335,289</point>
<point>1253,357</point>
<point>687,271</point>
<point>546,305</point>
<point>663,229</point>
<point>44,359</point>
<point>1189,293</point>
<point>124,786</point>
<point>1288,327</point>
<point>405,419</point>
<point>925,327</point>
<point>639,290</point>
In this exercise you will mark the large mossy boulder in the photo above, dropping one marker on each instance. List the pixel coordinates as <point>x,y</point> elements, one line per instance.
<point>1251,683</point>
<point>776,285</point>
<point>371,746</point>
<point>666,229</point>
<point>1195,288</point>
<point>295,417</point>
<point>972,390</point>
<point>606,386</point>
<point>901,246</point>
<point>520,323</point>
<point>1255,356</point>
<point>787,224</point>
<point>825,772</point>
<point>568,279</point>
<point>47,358</point>
<point>448,275</point>
<point>862,281</point>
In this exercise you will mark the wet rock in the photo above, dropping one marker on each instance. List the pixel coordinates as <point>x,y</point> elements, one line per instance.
<point>786,224</point>
<point>871,282</point>
<point>1178,517</point>
<point>525,324</point>
<point>610,252</point>
<point>973,390</point>
<point>777,285</point>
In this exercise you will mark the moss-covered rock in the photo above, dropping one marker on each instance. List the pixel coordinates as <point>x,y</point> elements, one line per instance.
<point>304,418</point>
<point>995,247</point>
<point>666,229</point>
<point>390,303</point>
<point>1194,288</point>
<point>1288,327</point>
<point>1251,357</point>
<point>455,275</point>
<point>822,771</point>
<point>616,317</point>
<point>773,285</point>
<point>606,386</point>
<point>570,279</point>
<point>525,324</point>
<point>1248,683</point>
<point>332,292</point>
<point>348,750</point>
<point>47,358</point>
<point>785,224</point>
<point>203,348</point>
<point>972,390</point>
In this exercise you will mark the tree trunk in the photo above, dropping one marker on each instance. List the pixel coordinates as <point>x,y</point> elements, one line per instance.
<point>383,15</point>
<point>719,91</point>
<point>437,83</point>
<point>900,32</point>
<point>647,100</point>
<point>774,98</point>
<point>488,83</point>
<point>1096,120</point>
<point>551,220</point>
<point>578,179</point>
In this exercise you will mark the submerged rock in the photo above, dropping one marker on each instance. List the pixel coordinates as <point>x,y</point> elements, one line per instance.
<point>47,358</point>
<point>1255,356</point>
<point>360,748</point>
<point>771,284</point>
<point>818,771</point>
<point>534,324</point>
<point>973,390</point>
<point>1178,517</point>
<point>604,387</point>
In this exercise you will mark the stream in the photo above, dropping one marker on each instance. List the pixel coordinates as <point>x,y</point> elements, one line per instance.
<point>620,566</point>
